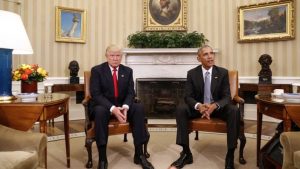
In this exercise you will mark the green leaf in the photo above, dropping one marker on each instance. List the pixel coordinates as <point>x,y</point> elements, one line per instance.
<point>166,40</point>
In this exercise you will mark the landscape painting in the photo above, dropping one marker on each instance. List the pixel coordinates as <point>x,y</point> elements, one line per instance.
<point>266,22</point>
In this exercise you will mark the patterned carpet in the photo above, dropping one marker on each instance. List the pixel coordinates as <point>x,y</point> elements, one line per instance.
<point>209,152</point>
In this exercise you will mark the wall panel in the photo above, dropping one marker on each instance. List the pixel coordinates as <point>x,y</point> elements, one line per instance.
<point>111,21</point>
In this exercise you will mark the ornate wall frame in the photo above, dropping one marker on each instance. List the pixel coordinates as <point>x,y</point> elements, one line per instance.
<point>70,25</point>
<point>165,15</point>
<point>270,21</point>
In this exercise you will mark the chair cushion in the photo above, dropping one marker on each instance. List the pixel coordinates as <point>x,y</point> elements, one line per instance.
<point>18,159</point>
<point>297,159</point>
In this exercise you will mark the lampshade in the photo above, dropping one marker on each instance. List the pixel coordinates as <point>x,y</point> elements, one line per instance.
<point>13,40</point>
<point>13,34</point>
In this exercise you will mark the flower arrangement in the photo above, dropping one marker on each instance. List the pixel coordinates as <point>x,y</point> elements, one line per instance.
<point>29,73</point>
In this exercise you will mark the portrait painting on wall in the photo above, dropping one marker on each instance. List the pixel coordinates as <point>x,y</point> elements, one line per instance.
<point>70,25</point>
<point>162,15</point>
<point>266,22</point>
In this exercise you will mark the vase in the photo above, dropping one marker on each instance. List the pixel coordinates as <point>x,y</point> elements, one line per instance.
<point>29,87</point>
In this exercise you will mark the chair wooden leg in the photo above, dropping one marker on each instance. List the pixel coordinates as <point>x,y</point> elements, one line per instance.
<point>88,146</point>
<point>243,141</point>
<point>125,137</point>
<point>51,122</point>
<point>147,155</point>
<point>197,135</point>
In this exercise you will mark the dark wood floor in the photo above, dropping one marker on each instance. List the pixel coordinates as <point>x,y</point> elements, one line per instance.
<point>268,128</point>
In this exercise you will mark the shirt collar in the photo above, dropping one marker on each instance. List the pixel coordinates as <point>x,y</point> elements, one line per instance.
<point>204,71</point>
<point>112,69</point>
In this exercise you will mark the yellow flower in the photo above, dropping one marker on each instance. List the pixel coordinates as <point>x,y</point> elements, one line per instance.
<point>29,73</point>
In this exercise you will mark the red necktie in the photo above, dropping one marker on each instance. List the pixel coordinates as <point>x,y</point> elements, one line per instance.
<point>116,92</point>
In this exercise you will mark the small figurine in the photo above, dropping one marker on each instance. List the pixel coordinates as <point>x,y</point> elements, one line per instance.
<point>74,68</point>
<point>265,74</point>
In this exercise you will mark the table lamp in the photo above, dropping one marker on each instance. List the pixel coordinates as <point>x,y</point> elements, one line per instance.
<point>13,40</point>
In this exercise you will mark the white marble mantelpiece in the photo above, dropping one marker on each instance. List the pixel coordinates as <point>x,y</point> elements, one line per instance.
<point>160,56</point>
<point>160,62</point>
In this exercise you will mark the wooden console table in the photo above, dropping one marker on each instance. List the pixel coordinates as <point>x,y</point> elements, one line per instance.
<point>22,115</point>
<point>67,87</point>
<point>78,88</point>
<point>249,90</point>
<point>279,110</point>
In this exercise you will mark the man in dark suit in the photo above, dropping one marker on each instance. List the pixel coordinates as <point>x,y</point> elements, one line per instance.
<point>112,91</point>
<point>207,95</point>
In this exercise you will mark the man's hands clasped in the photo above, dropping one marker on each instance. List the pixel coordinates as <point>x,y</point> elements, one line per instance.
<point>207,109</point>
<point>120,113</point>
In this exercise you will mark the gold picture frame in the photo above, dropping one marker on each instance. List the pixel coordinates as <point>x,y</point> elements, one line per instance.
<point>165,15</point>
<point>70,25</point>
<point>272,21</point>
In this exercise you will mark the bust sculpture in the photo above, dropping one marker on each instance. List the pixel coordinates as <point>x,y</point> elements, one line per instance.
<point>265,74</point>
<point>74,68</point>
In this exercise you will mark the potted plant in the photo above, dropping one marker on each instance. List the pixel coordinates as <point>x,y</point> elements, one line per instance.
<point>166,40</point>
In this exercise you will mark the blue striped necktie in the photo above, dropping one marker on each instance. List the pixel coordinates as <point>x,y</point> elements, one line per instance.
<point>207,93</point>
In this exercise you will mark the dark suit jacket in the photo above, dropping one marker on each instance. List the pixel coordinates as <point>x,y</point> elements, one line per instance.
<point>220,87</point>
<point>102,87</point>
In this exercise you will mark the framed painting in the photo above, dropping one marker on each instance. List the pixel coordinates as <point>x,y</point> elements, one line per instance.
<point>70,25</point>
<point>165,15</point>
<point>270,21</point>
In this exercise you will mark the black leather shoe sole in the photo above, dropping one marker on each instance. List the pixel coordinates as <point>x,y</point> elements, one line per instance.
<point>143,162</point>
<point>183,160</point>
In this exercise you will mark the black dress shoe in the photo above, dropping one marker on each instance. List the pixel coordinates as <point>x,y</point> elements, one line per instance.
<point>102,165</point>
<point>143,161</point>
<point>183,160</point>
<point>229,162</point>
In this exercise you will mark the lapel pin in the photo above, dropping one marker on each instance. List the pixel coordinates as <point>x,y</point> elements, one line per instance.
<point>122,75</point>
<point>216,77</point>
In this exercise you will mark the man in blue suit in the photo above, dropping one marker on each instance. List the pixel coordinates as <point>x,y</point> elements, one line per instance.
<point>207,94</point>
<point>112,91</point>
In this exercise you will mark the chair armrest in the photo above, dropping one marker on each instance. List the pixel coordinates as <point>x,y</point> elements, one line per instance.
<point>16,140</point>
<point>88,123</point>
<point>297,159</point>
<point>238,100</point>
<point>290,144</point>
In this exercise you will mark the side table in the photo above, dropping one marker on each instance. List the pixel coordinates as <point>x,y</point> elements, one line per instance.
<point>22,115</point>
<point>78,88</point>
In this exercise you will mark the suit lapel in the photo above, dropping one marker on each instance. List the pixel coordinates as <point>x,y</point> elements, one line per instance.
<point>214,80</point>
<point>108,77</point>
<point>201,79</point>
<point>120,78</point>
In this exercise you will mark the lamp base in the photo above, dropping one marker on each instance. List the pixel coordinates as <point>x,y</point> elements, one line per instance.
<point>5,74</point>
<point>7,98</point>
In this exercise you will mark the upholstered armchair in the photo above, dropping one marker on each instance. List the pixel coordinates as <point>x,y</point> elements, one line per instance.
<point>290,142</point>
<point>20,149</point>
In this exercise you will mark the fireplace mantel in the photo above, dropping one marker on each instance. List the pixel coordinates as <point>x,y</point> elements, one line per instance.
<point>160,56</point>
<point>159,50</point>
<point>160,62</point>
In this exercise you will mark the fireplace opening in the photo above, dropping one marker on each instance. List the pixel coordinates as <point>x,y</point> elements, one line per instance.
<point>160,96</point>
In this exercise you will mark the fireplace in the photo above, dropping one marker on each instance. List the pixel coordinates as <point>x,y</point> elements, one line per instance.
<point>160,96</point>
<point>159,76</point>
